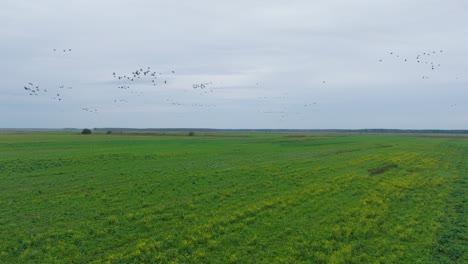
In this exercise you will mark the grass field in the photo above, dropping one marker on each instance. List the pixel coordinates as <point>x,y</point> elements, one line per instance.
<point>232,198</point>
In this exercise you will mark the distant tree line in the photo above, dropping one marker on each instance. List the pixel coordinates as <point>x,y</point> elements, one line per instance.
<point>353,131</point>
<point>86,131</point>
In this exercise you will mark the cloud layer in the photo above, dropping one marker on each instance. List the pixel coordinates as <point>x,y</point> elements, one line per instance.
<point>270,64</point>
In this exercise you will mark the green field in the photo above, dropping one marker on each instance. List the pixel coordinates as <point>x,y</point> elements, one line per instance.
<point>232,198</point>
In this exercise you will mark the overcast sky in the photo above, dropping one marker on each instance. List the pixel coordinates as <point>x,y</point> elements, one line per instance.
<point>265,64</point>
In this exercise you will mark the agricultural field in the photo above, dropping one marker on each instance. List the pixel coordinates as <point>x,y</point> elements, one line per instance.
<point>232,198</point>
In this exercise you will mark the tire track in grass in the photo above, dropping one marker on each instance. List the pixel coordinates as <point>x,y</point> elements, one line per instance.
<point>451,243</point>
<point>316,169</point>
<point>215,232</point>
<point>235,218</point>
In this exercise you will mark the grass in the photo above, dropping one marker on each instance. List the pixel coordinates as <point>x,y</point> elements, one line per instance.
<point>232,198</point>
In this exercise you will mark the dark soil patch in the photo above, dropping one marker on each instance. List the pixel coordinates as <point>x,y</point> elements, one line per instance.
<point>382,169</point>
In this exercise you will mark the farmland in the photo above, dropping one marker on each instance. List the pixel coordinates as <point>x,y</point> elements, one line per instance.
<point>232,198</point>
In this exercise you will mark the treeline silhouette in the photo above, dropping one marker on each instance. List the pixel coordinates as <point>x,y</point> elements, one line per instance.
<point>352,131</point>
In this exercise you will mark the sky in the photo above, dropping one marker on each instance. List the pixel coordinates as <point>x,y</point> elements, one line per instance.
<point>323,64</point>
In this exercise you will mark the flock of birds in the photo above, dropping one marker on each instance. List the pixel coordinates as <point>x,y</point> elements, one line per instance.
<point>62,50</point>
<point>137,78</point>
<point>425,58</point>
<point>178,103</point>
<point>89,110</point>
<point>140,74</point>
<point>285,110</point>
<point>203,88</point>
<point>144,77</point>
<point>34,90</point>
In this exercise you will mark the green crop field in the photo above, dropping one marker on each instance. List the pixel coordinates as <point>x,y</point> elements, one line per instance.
<point>232,198</point>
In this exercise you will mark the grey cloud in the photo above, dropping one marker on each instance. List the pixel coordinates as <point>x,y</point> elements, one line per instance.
<point>284,46</point>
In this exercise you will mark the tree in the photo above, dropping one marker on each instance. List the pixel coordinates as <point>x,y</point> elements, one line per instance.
<point>86,131</point>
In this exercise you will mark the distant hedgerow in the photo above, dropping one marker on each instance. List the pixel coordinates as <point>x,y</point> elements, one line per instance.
<point>86,131</point>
